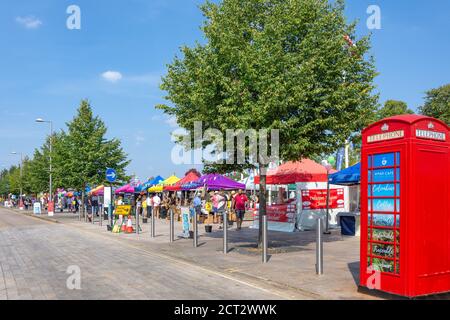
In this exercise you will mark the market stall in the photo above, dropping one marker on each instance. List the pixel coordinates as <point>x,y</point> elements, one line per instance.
<point>349,221</point>
<point>191,176</point>
<point>168,182</point>
<point>310,199</point>
<point>98,191</point>
<point>216,181</point>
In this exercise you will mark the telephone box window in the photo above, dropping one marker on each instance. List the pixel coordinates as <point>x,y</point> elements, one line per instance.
<point>384,212</point>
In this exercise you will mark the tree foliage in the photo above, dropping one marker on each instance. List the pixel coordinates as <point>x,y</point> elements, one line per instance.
<point>437,104</point>
<point>275,65</point>
<point>79,156</point>
<point>393,108</point>
<point>87,152</point>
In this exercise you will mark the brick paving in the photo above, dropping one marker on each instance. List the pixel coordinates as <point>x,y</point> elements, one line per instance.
<point>35,255</point>
<point>290,273</point>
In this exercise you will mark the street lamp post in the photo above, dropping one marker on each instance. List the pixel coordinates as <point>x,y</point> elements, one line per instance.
<point>20,179</point>
<point>40,120</point>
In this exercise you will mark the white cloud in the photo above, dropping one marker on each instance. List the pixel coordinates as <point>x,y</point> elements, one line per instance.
<point>139,138</point>
<point>29,22</point>
<point>112,76</point>
<point>172,122</point>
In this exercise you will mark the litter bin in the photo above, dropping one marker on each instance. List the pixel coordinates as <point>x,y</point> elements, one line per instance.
<point>348,225</point>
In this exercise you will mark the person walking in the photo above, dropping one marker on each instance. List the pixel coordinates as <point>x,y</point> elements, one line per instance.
<point>139,205</point>
<point>156,205</point>
<point>95,205</point>
<point>144,206</point>
<point>149,206</point>
<point>197,204</point>
<point>221,200</point>
<point>240,200</point>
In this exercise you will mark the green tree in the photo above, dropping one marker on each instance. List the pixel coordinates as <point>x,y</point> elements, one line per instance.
<point>275,64</point>
<point>393,108</point>
<point>85,152</point>
<point>437,104</point>
<point>4,182</point>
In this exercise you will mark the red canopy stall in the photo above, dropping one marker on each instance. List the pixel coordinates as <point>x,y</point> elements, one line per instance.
<point>191,176</point>
<point>290,172</point>
<point>310,179</point>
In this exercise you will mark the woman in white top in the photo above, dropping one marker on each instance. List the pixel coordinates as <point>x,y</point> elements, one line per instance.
<point>156,205</point>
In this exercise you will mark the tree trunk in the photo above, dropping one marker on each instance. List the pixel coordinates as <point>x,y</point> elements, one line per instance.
<point>82,202</point>
<point>262,201</point>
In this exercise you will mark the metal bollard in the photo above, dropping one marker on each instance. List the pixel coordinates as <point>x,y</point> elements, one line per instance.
<point>172,224</point>
<point>137,221</point>
<point>152,226</point>
<point>265,239</point>
<point>319,247</point>
<point>225,232</point>
<point>195,222</point>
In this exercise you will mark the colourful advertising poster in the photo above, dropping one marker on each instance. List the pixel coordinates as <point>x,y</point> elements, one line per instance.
<point>384,208</point>
<point>384,190</point>
<point>317,199</point>
<point>185,219</point>
<point>385,220</point>
<point>384,175</point>
<point>384,160</point>
<point>383,205</point>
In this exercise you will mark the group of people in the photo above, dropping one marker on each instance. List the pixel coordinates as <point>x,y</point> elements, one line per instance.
<point>214,203</point>
<point>219,203</point>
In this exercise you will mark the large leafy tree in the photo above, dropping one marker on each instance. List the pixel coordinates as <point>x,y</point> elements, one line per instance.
<point>39,166</point>
<point>4,182</point>
<point>393,108</point>
<point>275,64</point>
<point>87,153</point>
<point>437,104</point>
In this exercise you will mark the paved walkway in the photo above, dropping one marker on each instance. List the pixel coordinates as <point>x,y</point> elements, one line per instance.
<point>292,257</point>
<point>290,273</point>
<point>35,256</point>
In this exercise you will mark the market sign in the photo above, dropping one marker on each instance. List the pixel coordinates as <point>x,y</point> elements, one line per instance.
<point>426,134</point>
<point>386,136</point>
<point>124,210</point>
<point>280,217</point>
<point>317,199</point>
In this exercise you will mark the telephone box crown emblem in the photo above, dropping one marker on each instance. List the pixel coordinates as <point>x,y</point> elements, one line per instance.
<point>385,127</point>
<point>431,125</point>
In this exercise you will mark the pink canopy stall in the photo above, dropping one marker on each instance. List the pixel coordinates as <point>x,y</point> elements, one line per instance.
<point>128,188</point>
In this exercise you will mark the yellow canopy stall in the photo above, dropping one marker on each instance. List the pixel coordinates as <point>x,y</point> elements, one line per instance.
<point>168,182</point>
<point>95,191</point>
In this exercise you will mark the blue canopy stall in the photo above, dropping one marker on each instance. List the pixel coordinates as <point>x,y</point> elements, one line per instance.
<point>347,177</point>
<point>351,177</point>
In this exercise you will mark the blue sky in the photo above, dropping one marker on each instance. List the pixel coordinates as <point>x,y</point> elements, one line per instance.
<point>46,69</point>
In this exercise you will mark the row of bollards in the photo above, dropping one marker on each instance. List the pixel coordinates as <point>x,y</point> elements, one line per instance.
<point>319,234</point>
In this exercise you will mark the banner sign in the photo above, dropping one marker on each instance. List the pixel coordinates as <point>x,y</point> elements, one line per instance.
<point>37,208</point>
<point>107,196</point>
<point>185,220</point>
<point>317,199</point>
<point>124,210</point>
<point>280,217</point>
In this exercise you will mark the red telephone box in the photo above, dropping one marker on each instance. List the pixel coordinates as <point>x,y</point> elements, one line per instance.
<point>405,206</point>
